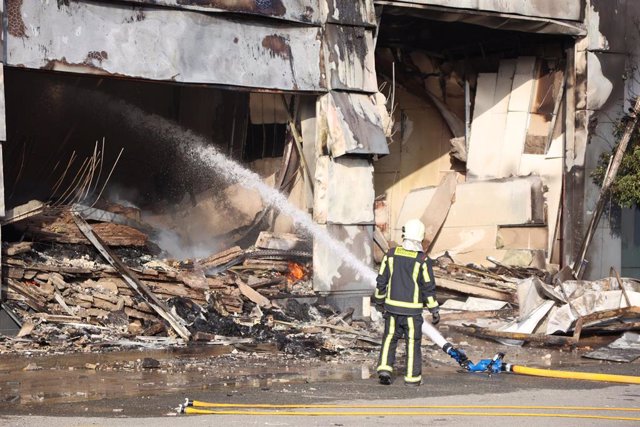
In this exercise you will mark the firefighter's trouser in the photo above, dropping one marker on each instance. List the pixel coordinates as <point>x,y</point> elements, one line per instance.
<point>397,326</point>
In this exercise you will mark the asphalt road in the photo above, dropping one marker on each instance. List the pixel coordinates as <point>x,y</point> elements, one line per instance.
<point>443,385</point>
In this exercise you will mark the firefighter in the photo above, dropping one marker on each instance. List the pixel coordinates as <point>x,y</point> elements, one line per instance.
<point>405,286</point>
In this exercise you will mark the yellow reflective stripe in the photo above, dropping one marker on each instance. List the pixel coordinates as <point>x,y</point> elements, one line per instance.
<point>413,379</point>
<point>403,304</point>
<point>410,348</point>
<point>431,302</point>
<point>425,272</point>
<point>416,271</point>
<point>383,265</point>
<point>379,295</point>
<point>387,342</point>
<point>384,368</point>
<point>403,252</point>
<point>390,261</point>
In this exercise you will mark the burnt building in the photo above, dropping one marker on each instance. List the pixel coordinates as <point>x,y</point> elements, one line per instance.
<point>363,113</point>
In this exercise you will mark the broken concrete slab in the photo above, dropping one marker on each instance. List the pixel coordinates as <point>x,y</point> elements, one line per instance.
<point>518,237</point>
<point>459,240</point>
<point>335,201</point>
<point>350,123</point>
<point>516,200</point>
<point>282,241</point>
<point>331,272</point>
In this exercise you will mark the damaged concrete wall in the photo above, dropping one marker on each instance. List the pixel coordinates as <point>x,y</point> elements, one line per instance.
<point>350,123</point>
<point>606,80</point>
<point>349,132</point>
<point>167,45</point>
<point>303,11</point>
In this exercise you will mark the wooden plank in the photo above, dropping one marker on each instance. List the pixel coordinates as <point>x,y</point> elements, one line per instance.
<point>253,295</point>
<point>18,248</point>
<point>63,304</point>
<point>31,208</point>
<point>26,329</point>
<point>436,213</point>
<point>620,313</point>
<point>58,227</point>
<point>504,84</point>
<point>263,283</point>
<point>221,258</point>
<point>475,291</point>
<point>177,323</point>
<point>513,146</point>
<point>479,332</point>
<point>194,279</point>
<point>481,142</point>
<point>57,318</point>
<point>264,264</point>
<point>473,315</point>
<point>34,300</point>
<point>523,82</point>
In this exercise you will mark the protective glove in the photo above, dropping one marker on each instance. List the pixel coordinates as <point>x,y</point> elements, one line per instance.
<point>378,304</point>
<point>435,315</point>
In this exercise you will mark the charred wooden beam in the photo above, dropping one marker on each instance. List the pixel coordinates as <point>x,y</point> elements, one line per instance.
<point>479,332</point>
<point>177,323</point>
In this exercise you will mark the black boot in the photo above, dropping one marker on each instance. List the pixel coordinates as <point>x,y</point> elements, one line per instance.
<point>384,377</point>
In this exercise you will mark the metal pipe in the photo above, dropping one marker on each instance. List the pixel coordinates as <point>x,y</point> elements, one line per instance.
<point>467,114</point>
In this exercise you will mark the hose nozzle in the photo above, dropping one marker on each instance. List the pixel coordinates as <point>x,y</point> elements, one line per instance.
<point>458,355</point>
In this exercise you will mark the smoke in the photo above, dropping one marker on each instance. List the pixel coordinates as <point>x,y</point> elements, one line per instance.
<point>205,159</point>
<point>122,196</point>
<point>175,246</point>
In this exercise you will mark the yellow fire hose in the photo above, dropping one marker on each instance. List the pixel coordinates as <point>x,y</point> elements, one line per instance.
<point>192,410</point>
<point>202,404</point>
<point>199,407</point>
<point>549,373</point>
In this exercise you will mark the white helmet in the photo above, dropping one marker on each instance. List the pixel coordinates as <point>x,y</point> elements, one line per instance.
<point>413,230</point>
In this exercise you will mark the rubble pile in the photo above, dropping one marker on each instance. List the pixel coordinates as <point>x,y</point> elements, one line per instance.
<point>66,297</point>
<point>517,305</point>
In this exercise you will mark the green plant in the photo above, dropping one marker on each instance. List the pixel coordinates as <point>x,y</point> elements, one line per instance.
<point>625,189</point>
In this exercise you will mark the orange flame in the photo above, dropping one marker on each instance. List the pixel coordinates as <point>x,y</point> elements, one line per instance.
<point>296,272</point>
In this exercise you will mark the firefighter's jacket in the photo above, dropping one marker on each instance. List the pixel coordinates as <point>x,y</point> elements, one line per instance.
<point>405,282</point>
